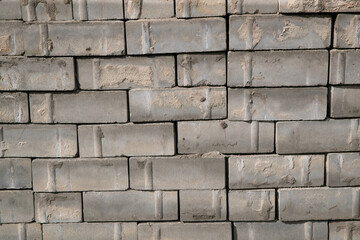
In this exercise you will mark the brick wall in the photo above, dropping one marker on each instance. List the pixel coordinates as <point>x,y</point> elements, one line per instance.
<point>179,120</point>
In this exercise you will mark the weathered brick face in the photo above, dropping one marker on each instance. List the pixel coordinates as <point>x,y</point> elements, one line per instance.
<point>179,119</point>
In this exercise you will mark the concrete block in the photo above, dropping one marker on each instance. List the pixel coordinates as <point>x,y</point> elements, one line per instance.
<point>38,140</point>
<point>344,67</point>
<point>342,169</point>
<point>127,72</point>
<point>179,172</point>
<point>185,231</point>
<point>12,38</point>
<point>345,35</point>
<point>58,207</point>
<point>28,231</point>
<point>15,173</point>
<point>274,171</point>
<point>225,137</point>
<point>80,107</point>
<point>10,9</point>
<point>36,74</point>
<point>98,9</point>
<point>202,205</point>
<point>318,136</point>
<point>345,102</point>
<point>46,10</point>
<point>14,107</point>
<point>271,104</point>
<point>252,6</point>
<point>319,204</point>
<point>200,8</point>
<point>126,139</point>
<point>130,206</point>
<point>175,35</point>
<point>177,104</point>
<point>344,230</point>
<point>16,206</point>
<point>278,68</point>
<point>201,69</point>
<point>252,205</point>
<point>63,175</point>
<point>263,32</point>
<point>135,9</point>
<point>314,6</point>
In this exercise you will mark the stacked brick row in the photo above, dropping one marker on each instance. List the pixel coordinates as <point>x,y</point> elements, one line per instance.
<point>179,119</point>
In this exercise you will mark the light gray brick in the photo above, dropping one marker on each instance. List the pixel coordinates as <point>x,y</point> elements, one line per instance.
<point>127,72</point>
<point>277,68</point>
<point>342,169</point>
<point>225,137</point>
<point>98,10</point>
<point>281,231</point>
<point>126,139</point>
<point>252,6</point>
<point>135,9</point>
<point>345,102</point>
<point>15,173</point>
<point>269,104</point>
<point>38,140</point>
<point>16,206</point>
<point>202,205</point>
<point>130,206</point>
<point>175,35</point>
<point>179,172</point>
<point>58,207</point>
<point>37,74</point>
<point>261,32</point>
<point>48,10</point>
<point>10,9</point>
<point>185,231</point>
<point>345,35</point>
<point>201,69</point>
<point>319,204</point>
<point>177,104</point>
<point>344,67</point>
<point>14,107</point>
<point>12,38</point>
<point>90,231</point>
<point>252,205</point>
<point>30,231</point>
<point>51,175</point>
<point>273,171</point>
<point>314,6</point>
<point>81,107</point>
<point>200,8</point>
<point>318,136</point>
<point>344,230</point>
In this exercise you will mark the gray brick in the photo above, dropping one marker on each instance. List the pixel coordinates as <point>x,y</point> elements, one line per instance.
<point>135,9</point>
<point>98,10</point>
<point>10,9</point>
<point>51,175</point>
<point>59,207</point>
<point>36,74</point>
<point>269,104</point>
<point>281,231</point>
<point>12,38</point>
<point>14,108</point>
<point>90,231</point>
<point>127,72</point>
<point>38,140</point>
<point>252,6</point>
<point>179,172</point>
<point>252,205</point>
<point>278,68</point>
<point>81,107</point>
<point>202,205</point>
<point>200,8</point>
<point>318,136</point>
<point>342,169</point>
<point>314,6</point>
<point>31,231</point>
<point>319,204</point>
<point>225,137</point>
<point>16,206</point>
<point>344,230</point>
<point>48,10</point>
<point>126,139</point>
<point>278,32</point>
<point>345,35</point>
<point>130,206</point>
<point>344,67</point>
<point>175,35</point>
<point>345,102</point>
<point>15,173</point>
<point>177,104</point>
<point>201,69</point>
<point>273,171</point>
<point>185,231</point>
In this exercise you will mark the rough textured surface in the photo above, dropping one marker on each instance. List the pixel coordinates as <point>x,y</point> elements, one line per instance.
<point>15,173</point>
<point>343,169</point>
